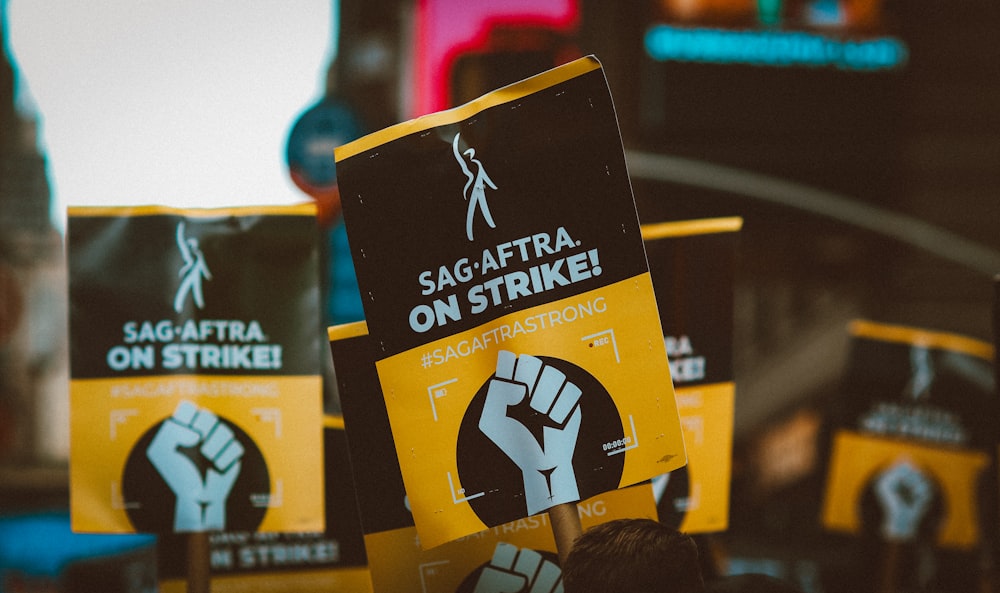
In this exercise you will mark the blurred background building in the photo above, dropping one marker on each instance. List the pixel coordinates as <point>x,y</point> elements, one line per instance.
<point>858,139</point>
<point>33,355</point>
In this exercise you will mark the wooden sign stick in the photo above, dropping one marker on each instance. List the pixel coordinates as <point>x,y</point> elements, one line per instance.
<point>199,574</point>
<point>566,527</point>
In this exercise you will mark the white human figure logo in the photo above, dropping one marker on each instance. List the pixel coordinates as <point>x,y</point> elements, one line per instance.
<point>192,272</point>
<point>475,186</point>
<point>922,366</point>
<point>201,500</point>
<point>511,570</point>
<point>546,466</point>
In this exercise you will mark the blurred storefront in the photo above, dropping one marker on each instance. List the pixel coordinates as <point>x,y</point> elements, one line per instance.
<point>33,365</point>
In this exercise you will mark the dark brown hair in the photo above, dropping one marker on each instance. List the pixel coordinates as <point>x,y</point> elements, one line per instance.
<point>633,556</point>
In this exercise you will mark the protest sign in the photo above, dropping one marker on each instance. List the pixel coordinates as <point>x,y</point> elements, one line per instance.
<point>915,433</point>
<point>523,552</point>
<point>693,267</point>
<point>505,286</point>
<point>194,348</point>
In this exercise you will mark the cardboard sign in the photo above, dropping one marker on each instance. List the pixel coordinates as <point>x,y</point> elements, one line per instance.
<point>396,559</point>
<point>860,460</point>
<point>693,268</point>
<point>915,433</point>
<point>195,392</point>
<point>506,288</point>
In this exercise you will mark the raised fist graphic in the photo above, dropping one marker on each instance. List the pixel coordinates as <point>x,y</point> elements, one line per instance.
<point>201,496</point>
<point>905,495</point>
<point>546,463</point>
<point>514,571</point>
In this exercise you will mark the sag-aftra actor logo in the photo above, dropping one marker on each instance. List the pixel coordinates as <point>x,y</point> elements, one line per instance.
<point>192,272</point>
<point>475,186</point>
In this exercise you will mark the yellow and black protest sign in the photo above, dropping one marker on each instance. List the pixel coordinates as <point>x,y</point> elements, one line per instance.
<point>519,555</point>
<point>859,462</point>
<point>505,283</point>
<point>195,392</point>
<point>913,438</point>
<point>693,268</point>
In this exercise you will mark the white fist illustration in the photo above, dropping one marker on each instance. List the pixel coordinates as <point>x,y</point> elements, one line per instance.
<point>547,467</point>
<point>905,494</point>
<point>513,571</point>
<point>201,500</point>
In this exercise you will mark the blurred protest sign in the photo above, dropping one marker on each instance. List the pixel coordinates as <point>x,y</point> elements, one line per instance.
<point>195,392</point>
<point>506,289</point>
<point>693,267</point>
<point>916,435</point>
<point>487,560</point>
<point>307,562</point>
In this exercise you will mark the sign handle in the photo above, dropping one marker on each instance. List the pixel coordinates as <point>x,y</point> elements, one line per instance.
<point>890,566</point>
<point>566,527</point>
<point>198,578</point>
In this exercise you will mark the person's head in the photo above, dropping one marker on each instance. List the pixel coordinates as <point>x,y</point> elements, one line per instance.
<point>632,556</point>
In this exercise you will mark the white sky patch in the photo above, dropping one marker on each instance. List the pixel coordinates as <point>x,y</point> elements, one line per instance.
<point>184,103</point>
